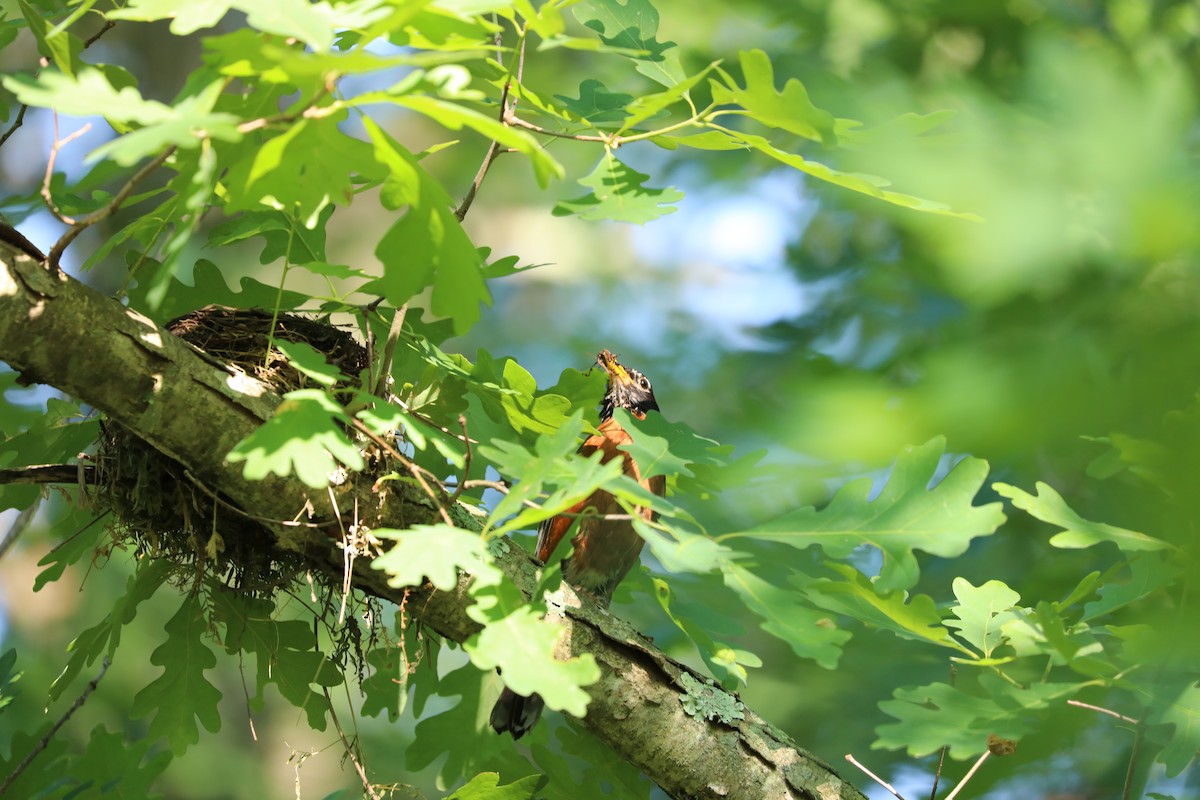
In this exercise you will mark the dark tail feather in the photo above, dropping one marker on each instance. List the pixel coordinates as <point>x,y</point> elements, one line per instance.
<point>516,714</point>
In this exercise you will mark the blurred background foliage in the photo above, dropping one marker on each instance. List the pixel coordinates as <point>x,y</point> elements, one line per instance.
<point>1059,339</point>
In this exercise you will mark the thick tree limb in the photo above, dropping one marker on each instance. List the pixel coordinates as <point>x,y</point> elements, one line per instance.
<point>55,330</point>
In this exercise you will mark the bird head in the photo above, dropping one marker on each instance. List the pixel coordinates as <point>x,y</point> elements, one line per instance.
<point>627,388</point>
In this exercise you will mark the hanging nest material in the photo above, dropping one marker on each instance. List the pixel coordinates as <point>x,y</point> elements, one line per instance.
<point>160,509</point>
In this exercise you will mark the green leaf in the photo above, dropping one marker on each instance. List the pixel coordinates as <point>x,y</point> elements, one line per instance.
<point>434,553</point>
<point>870,185</point>
<point>930,717</point>
<point>309,166</point>
<point>90,93</point>
<point>208,286</point>
<point>386,687</point>
<point>309,361</point>
<point>648,106</point>
<point>486,786</point>
<point>790,110</point>
<point>182,694</point>
<point>982,612</point>
<point>915,618</point>
<point>551,463</point>
<point>1148,573</point>
<point>522,646</point>
<point>190,127</point>
<point>285,651</point>
<point>187,16</point>
<point>428,244</point>
<point>119,765</point>
<point>1044,632</point>
<point>510,394</point>
<point>283,236</point>
<point>632,27</point>
<point>456,117</point>
<point>596,104</point>
<point>618,193</point>
<point>105,636</point>
<point>1049,506</point>
<point>56,436</point>
<point>312,23</point>
<point>457,736</point>
<point>905,517</point>
<point>8,679</point>
<point>47,761</point>
<point>680,550</point>
<point>1175,703</point>
<point>700,464</point>
<point>727,663</point>
<point>302,437</point>
<point>60,46</point>
<point>808,632</point>
<point>80,544</point>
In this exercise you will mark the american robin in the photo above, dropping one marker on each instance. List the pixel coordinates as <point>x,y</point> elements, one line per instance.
<point>604,549</point>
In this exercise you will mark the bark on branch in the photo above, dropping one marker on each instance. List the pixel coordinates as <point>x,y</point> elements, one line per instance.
<point>56,331</point>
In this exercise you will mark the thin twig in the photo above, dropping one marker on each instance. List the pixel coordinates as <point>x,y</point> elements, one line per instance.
<point>45,740</point>
<point>358,767</point>
<point>1103,710</point>
<point>107,211</point>
<point>18,122</point>
<point>507,107</point>
<point>874,777</point>
<point>1126,792</point>
<point>1137,740</point>
<point>970,773</point>
<point>458,490</point>
<point>58,145</point>
<point>937,774</point>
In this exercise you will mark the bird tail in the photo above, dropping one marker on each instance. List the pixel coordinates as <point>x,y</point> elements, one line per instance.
<point>516,714</point>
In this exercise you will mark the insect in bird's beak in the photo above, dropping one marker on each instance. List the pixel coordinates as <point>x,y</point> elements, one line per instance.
<point>608,362</point>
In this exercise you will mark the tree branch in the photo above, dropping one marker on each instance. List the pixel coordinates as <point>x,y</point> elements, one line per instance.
<point>57,331</point>
<point>107,211</point>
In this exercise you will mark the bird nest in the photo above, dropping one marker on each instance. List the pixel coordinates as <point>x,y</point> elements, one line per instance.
<point>160,509</point>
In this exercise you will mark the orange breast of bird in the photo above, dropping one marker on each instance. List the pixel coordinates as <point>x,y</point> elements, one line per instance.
<point>604,549</point>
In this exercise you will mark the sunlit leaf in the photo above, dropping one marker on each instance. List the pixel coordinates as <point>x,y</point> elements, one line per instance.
<point>522,646</point>
<point>427,245</point>
<point>910,617</point>
<point>301,438</point>
<point>619,193</point>
<point>790,110</point>
<point>982,612</point>
<point>434,553</point>
<point>1049,506</point>
<point>486,786</point>
<point>905,517</point>
<point>632,26</point>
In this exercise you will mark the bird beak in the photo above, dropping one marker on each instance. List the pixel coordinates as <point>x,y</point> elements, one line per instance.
<point>608,363</point>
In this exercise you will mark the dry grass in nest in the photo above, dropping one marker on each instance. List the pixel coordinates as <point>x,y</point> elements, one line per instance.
<point>166,513</point>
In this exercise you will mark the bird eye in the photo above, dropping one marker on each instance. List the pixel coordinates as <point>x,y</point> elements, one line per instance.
<point>643,382</point>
